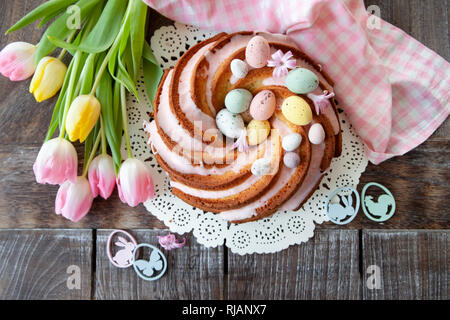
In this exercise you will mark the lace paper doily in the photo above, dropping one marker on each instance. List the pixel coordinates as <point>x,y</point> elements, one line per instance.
<point>264,236</point>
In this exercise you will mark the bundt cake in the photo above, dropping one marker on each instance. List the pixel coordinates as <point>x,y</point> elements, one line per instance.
<point>245,124</point>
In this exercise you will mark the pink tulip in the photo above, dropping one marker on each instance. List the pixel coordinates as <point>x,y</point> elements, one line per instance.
<point>74,199</point>
<point>17,61</point>
<point>56,162</point>
<point>102,177</point>
<point>135,182</point>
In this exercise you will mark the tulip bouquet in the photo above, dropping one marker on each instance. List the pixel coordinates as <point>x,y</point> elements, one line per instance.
<point>105,40</point>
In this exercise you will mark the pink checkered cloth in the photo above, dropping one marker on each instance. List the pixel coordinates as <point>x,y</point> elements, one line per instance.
<point>394,89</point>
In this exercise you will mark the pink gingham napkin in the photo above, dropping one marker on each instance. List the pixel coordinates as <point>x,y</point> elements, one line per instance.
<point>394,89</point>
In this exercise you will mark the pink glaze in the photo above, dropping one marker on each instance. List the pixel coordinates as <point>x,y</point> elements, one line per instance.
<point>285,175</point>
<point>187,105</point>
<point>170,125</point>
<point>312,177</point>
<point>183,165</point>
<point>218,194</point>
<point>249,210</point>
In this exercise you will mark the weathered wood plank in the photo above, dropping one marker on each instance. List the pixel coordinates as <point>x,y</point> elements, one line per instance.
<point>413,264</point>
<point>193,272</point>
<point>420,183</point>
<point>34,264</point>
<point>326,267</point>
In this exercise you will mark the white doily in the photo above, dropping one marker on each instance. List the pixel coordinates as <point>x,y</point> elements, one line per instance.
<point>264,236</point>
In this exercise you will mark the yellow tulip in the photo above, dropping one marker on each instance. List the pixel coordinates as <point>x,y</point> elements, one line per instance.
<point>82,116</point>
<point>48,78</point>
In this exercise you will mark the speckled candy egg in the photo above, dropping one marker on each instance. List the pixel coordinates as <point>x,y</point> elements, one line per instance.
<point>261,167</point>
<point>257,131</point>
<point>291,160</point>
<point>302,81</point>
<point>263,104</point>
<point>316,134</point>
<point>231,125</point>
<point>257,52</point>
<point>291,141</point>
<point>239,68</point>
<point>238,100</point>
<point>297,110</point>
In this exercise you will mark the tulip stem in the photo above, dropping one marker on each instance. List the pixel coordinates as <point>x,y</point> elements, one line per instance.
<point>69,40</point>
<point>123,102</point>
<point>92,155</point>
<point>111,51</point>
<point>69,92</point>
<point>102,131</point>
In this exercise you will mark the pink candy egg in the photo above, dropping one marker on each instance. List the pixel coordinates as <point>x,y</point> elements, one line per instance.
<point>263,105</point>
<point>257,52</point>
<point>316,134</point>
<point>291,160</point>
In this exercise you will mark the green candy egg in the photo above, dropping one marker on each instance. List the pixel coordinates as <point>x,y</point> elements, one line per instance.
<point>302,81</point>
<point>238,100</point>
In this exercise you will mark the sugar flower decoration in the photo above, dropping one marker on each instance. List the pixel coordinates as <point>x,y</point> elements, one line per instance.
<point>169,242</point>
<point>282,63</point>
<point>321,102</point>
<point>241,143</point>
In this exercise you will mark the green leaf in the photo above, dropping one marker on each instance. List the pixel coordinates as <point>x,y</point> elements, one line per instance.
<point>113,135</point>
<point>137,35</point>
<point>87,75</point>
<point>148,55</point>
<point>88,143</point>
<point>43,11</point>
<point>49,17</point>
<point>57,110</point>
<point>102,35</point>
<point>152,76</point>
<point>59,29</point>
<point>152,73</point>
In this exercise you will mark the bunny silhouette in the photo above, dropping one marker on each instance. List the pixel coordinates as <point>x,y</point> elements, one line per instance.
<point>123,256</point>
<point>337,212</point>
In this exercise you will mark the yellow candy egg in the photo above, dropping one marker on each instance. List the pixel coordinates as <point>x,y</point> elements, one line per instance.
<point>297,110</point>
<point>257,131</point>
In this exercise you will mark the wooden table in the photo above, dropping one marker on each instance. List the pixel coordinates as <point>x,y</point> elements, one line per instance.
<point>411,249</point>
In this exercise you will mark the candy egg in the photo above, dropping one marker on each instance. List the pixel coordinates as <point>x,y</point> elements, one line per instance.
<point>316,134</point>
<point>263,105</point>
<point>257,131</point>
<point>291,160</point>
<point>238,100</point>
<point>257,52</point>
<point>296,110</point>
<point>261,167</point>
<point>291,141</point>
<point>239,68</point>
<point>231,125</point>
<point>302,81</point>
